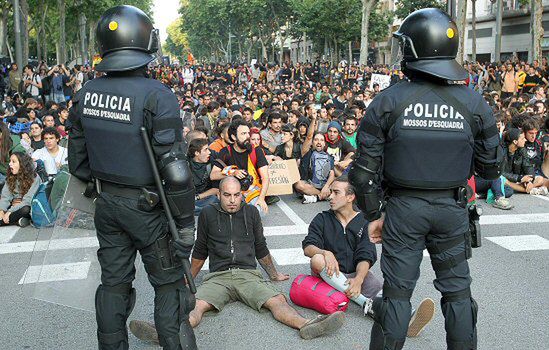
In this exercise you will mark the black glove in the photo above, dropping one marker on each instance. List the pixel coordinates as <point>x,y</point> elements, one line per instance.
<point>184,244</point>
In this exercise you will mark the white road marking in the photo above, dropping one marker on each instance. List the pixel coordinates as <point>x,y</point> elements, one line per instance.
<point>7,233</point>
<point>290,213</point>
<point>514,219</point>
<point>545,198</point>
<point>43,245</point>
<point>521,243</point>
<point>290,230</point>
<point>56,272</point>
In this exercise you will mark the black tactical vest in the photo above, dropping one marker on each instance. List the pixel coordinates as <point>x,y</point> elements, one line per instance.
<point>111,111</point>
<point>430,146</point>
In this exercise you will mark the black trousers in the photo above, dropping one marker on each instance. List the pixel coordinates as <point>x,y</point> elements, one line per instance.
<point>16,215</point>
<point>411,225</point>
<point>122,230</point>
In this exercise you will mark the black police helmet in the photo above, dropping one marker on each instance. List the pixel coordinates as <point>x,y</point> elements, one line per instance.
<point>126,38</point>
<point>429,40</point>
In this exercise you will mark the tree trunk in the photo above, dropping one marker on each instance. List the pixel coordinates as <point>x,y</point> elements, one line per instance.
<point>91,39</point>
<point>62,56</point>
<point>25,30</point>
<point>239,50</point>
<point>474,30</point>
<point>367,6</point>
<point>499,19</point>
<point>4,31</point>
<point>350,52</point>
<point>281,53</point>
<point>461,22</point>
<point>336,49</point>
<point>41,36</point>
<point>537,30</point>
<point>83,42</point>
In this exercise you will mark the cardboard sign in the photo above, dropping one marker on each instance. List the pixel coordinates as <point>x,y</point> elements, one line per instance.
<point>380,79</point>
<point>282,175</point>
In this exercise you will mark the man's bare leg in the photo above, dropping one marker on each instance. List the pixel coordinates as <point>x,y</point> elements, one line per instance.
<point>284,313</point>
<point>308,329</point>
<point>195,316</point>
<point>306,188</point>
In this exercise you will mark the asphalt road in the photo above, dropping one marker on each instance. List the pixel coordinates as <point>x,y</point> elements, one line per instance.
<point>510,284</point>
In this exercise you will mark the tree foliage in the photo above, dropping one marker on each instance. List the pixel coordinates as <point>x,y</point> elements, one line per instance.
<point>405,7</point>
<point>264,23</point>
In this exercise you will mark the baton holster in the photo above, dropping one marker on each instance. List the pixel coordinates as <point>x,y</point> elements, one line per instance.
<point>166,253</point>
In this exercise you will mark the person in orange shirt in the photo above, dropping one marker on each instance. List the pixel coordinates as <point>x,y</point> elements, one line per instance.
<point>222,132</point>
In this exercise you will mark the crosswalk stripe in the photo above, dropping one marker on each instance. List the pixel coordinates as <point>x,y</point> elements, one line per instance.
<point>43,245</point>
<point>521,243</point>
<point>269,231</point>
<point>290,213</point>
<point>7,233</point>
<point>56,272</point>
<point>514,219</point>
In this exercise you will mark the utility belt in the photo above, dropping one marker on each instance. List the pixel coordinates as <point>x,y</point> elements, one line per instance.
<point>147,199</point>
<point>459,194</point>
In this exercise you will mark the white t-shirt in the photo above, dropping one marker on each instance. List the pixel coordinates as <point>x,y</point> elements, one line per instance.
<point>78,82</point>
<point>31,89</point>
<point>50,162</point>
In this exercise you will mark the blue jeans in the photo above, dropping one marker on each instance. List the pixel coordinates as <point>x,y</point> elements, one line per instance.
<point>484,185</point>
<point>201,203</point>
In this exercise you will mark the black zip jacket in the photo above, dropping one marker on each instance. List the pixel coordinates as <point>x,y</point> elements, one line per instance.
<point>516,165</point>
<point>230,240</point>
<point>350,245</point>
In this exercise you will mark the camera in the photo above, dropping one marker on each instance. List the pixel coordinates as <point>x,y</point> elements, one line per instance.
<point>246,182</point>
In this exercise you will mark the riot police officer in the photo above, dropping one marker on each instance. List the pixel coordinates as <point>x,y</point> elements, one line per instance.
<point>106,146</point>
<point>420,141</point>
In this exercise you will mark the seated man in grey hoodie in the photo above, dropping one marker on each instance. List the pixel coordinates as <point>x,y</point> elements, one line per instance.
<point>231,235</point>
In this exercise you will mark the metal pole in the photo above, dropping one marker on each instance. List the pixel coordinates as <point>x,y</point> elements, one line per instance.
<point>499,16</point>
<point>18,47</point>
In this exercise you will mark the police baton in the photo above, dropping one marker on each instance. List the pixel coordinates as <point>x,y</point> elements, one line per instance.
<point>164,200</point>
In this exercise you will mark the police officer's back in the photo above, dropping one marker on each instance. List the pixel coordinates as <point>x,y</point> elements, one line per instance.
<point>106,146</point>
<point>423,139</point>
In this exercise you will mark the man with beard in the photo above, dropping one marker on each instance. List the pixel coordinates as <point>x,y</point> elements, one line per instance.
<point>246,163</point>
<point>316,171</point>
<point>339,148</point>
<point>349,129</point>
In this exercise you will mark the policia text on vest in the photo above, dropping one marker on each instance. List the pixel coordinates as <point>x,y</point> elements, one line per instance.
<point>107,106</point>
<point>432,116</point>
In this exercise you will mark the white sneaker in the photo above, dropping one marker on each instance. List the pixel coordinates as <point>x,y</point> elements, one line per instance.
<point>539,191</point>
<point>309,199</point>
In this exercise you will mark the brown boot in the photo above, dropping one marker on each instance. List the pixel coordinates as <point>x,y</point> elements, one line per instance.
<point>144,330</point>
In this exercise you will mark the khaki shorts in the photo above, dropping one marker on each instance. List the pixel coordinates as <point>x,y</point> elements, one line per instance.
<point>247,286</point>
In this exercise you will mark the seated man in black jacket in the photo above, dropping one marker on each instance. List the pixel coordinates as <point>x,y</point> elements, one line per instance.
<point>231,235</point>
<point>517,167</point>
<point>341,254</point>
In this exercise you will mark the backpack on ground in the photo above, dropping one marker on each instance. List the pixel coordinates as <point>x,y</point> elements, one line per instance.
<point>41,212</point>
<point>313,293</point>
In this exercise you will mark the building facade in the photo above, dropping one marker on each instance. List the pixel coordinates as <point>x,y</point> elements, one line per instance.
<point>515,34</point>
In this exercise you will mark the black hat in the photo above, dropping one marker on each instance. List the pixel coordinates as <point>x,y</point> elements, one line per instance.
<point>429,40</point>
<point>126,39</point>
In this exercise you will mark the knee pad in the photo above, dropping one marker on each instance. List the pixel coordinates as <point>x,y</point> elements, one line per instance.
<point>464,294</point>
<point>114,305</point>
<point>379,341</point>
<point>185,302</point>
